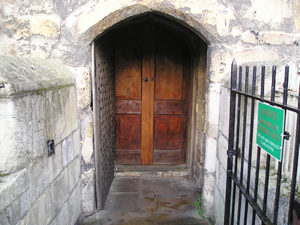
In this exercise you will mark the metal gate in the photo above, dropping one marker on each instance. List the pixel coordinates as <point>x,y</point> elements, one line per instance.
<point>259,189</point>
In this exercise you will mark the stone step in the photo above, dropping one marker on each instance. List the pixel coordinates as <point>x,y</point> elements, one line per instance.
<point>153,170</point>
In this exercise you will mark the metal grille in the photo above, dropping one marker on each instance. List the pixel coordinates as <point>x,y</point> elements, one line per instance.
<point>257,191</point>
<point>105,120</point>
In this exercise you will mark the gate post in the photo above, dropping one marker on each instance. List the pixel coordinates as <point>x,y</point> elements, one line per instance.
<point>230,151</point>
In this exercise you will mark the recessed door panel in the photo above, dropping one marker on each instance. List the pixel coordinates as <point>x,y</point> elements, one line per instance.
<point>128,68</point>
<point>128,132</point>
<point>168,132</point>
<point>168,83</point>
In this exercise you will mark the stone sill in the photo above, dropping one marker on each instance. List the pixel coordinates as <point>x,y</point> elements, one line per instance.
<point>153,171</point>
<point>29,75</point>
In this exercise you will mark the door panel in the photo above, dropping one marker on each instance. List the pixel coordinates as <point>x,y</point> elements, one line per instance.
<point>170,99</point>
<point>168,157</point>
<point>128,65</point>
<point>128,132</point>
<point>152,81</point>
<point>128,69</point>
<point>169,107</point>
<point>168,134</point>
<point>128,106</point>
<point>168,71</point>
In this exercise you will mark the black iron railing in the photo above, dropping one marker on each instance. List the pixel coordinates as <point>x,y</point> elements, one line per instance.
<point>245,187</point>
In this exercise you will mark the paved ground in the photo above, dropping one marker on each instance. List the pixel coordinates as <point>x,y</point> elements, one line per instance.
<point>149,201</point>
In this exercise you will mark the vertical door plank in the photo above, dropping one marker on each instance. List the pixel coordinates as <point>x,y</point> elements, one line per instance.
<point>147,97</point>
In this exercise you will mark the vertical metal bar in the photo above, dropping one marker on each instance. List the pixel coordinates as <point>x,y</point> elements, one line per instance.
<point>262,94</point>
<point>244,135</point>
<point>267,169</point>
<point>250,141</point>
<point>295,165</point>
<point>236,143</point>
<point>268,156</point>
<point>279,171</point>
<point>273,83</point>
<point>257,164</point>
<point>243,143</point>
<point>230,150</point>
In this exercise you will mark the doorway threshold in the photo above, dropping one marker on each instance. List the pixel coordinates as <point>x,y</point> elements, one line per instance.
<point>182,170</point>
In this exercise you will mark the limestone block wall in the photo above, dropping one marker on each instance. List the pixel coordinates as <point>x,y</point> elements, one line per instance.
<point>251,31</point>
<point>38,103</point>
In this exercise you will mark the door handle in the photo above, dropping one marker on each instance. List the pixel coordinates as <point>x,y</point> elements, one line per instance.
<point>145,79</point>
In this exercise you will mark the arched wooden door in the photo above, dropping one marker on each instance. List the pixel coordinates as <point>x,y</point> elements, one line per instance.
<point>152,87</point>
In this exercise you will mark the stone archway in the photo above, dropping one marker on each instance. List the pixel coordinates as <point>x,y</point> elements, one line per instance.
<point>104,100</point>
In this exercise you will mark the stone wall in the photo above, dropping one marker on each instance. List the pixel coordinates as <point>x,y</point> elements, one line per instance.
<point>250,31</point>
<point>38,103</point>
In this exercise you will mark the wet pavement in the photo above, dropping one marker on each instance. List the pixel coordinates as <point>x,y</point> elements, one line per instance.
<point>149,201</point>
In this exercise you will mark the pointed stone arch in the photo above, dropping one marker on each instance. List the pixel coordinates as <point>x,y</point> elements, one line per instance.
<point>99,25</point>
<point>200,36</point>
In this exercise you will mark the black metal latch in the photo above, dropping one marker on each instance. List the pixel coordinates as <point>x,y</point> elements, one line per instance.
<point>50,147</point>
<point>286,135</point>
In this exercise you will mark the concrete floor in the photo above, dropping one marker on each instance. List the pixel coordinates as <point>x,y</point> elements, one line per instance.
<point>149,201</point>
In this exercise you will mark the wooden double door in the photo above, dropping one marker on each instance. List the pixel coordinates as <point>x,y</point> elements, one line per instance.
<point>152,88</point>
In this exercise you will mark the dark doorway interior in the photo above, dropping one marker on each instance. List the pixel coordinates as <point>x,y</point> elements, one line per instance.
<point>143,91</point>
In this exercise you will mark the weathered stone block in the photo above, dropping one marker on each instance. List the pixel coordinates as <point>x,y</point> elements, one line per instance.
<point>3,218</point>
<point>83,85</point>
<point>40,213</point>
<point>212,130</point>
<point>88,191</point>
<point>74,173</point>
<point>8,46</point>
<point>87,139</point>
<point>74,204</point>
<point>224,111</point>
<point>25,7</point>
<point>60,191</point>
<point>12,186</point>
<point>29,82</point>
<point>63,216</point>
<point>221,179</point>
<point>76,142</point>
<point>222,150</point>
<point>24,203</point>
<point>18,135</point>
<point>67,150</point>
<point>208,192</point>
<point>41,47</point>
<point>61,113</point>
<point>218,208</point>
<point>210,155</point>
<point>56,162</point>
<point>213,104</point>
<point>45,25</point>
<point>64,8</point>
<point>41,176</point>
<point>220,59</point>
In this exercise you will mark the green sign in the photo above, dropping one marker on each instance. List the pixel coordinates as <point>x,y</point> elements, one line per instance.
<point>270,129</point>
